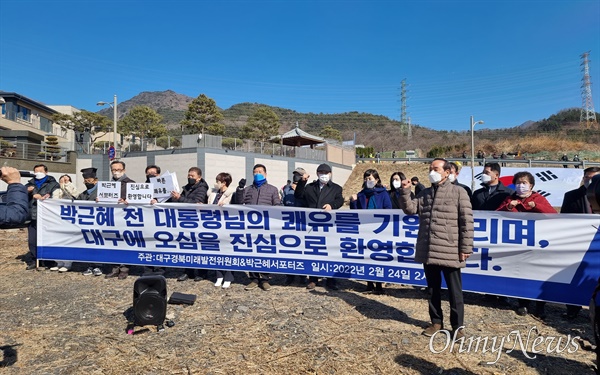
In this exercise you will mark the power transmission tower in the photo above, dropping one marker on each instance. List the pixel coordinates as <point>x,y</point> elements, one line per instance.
<point>588,114</point>
<point>403,106</point>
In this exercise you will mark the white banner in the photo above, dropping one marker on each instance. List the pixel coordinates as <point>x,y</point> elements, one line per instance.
<point>525,255</point>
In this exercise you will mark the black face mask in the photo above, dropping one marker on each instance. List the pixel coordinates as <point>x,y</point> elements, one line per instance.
<point>149,176</point>
<point>89,185</point>
<point>192,181</point>
<point>297,178</point>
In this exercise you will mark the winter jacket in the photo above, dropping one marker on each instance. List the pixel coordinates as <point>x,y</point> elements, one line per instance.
<point>395,197</point>
<point>445,224</point>
<point>196,193</point>
<point>541,204</point>
<point>66,191</point>
<point>482,200</point>
<point>47,187</point>
<point>381,196</point>
<point>266,195</point>
<point>124,180</point>
<point>225,197</point>
<point>88,195</point>
<point>312,196</point>
<point>16,209</point>
<point>576,202</point>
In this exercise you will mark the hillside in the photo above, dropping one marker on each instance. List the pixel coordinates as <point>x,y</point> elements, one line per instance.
<point>558,133</point>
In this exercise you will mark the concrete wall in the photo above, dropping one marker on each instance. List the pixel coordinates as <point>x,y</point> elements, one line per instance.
<point>212,162</point>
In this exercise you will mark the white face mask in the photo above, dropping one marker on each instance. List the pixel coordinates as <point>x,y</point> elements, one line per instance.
<point>117,175</point>
<point>452,177</point>
<point>324,178</point>
<point>217,186</point>
<point>370,184</point>
<point>587,183</point>
<point>435,177</point>
<point>522,189</point>
<point>486,178</point>
<point>39,175</point>
<point>397,184</point>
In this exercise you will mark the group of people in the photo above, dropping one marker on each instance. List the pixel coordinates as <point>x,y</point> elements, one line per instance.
<point>445,210</point>
<point>564,157</point>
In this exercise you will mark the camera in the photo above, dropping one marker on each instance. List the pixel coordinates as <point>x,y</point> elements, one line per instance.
<point>23,174</point>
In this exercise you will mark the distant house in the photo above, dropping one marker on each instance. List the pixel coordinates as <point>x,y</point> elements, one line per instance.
<point>25,120</point>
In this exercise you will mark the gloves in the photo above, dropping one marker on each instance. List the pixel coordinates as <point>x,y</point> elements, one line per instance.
<point>242,183</point>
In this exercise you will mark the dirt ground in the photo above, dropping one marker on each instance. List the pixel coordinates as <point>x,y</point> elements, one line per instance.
<point>73,324</point>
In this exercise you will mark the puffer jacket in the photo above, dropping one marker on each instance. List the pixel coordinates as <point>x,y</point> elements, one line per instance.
<point>445,224</point>
<point>225,197</point>
<point>266,195</point>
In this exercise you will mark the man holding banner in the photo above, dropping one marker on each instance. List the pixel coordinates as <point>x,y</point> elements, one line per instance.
<point>444,242</point>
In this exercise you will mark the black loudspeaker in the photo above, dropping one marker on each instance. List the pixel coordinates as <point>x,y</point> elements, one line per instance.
<point>150,300</point>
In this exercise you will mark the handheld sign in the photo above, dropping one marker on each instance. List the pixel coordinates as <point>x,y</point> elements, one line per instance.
<point>109,191</point>
<point>139,192</point>
<point>164,185</point>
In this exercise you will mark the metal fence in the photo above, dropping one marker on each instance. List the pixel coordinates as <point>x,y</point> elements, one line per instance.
<point>32,151</point>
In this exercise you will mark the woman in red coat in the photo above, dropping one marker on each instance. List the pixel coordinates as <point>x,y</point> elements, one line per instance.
<point>526,200</point>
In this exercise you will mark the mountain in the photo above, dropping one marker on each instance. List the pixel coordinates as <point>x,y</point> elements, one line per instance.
<point>379,132</point>
<point>169,104</point>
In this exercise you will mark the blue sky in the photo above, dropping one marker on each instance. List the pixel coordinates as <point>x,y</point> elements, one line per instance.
<point>505,62</point>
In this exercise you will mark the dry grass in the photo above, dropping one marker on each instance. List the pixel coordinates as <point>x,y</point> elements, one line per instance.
<point>71,324</point>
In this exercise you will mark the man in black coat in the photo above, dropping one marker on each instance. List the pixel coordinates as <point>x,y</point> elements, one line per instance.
<point>493,191</point>
<point>39,188</point>
<point>576,202</point>
<point>117,168</point>
<point>418,186</point>
<point>320,194</point>
<point>196,191</point>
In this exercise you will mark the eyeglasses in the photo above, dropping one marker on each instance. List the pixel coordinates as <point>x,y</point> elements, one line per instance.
<point>117,170</point>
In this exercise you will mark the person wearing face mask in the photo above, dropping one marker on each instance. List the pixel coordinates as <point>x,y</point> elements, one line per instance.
<point>524,199</point>
<point>372,196</point>
<point>90,180</point>
<point>221,195</point>
<point>396,189</point>
<point>444,242</point>
<point>322,194</point>
<point>67,190</point>
<point>418,186</point>
<point>493,192</point>
<point>453,177</point>
<point>117,168</point>
<point>577,202</point>
<point>288,199</point>
<point>263,194</point>
<point>152,171</point>
<point>196,191</point>
<point>41,187</point>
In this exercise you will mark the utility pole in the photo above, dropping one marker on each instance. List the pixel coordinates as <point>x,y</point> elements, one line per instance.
<point>588,114</point>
